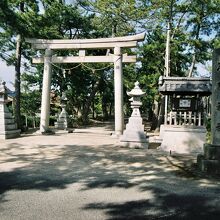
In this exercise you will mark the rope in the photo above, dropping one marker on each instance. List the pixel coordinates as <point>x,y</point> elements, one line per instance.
<point>64,68</point>
<point>81,64</point>
<point>93,69</point>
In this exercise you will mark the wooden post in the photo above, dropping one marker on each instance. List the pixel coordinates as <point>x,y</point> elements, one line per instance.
<point>166,106</point>
<point>167,54</point>
<point>45,101</point>
<point>195,118</point>
<point>180,118</point>
<point>175,118</point>
<point>184,118</point>
<point>200,119</point>
<point>170,118</point>
<point>167,67</point>
<point>190,118</point>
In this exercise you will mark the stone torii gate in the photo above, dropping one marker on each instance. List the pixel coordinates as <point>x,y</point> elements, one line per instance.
<point>116,43</point>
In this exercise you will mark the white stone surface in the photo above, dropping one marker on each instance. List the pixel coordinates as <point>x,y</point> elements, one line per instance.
<point>181,139</point>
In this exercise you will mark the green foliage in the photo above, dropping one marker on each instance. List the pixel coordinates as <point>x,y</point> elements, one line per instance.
<point>30,102</point>
<point>216,42</point>
<point>203,21</point>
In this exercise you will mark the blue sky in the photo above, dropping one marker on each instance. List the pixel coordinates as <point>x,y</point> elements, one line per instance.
<point>7,73</point>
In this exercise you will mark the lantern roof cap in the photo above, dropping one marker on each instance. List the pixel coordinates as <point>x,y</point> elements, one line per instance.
<point>136,91</point>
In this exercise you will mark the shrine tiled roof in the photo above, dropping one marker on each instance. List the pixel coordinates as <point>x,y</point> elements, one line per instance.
<point>185,85</point>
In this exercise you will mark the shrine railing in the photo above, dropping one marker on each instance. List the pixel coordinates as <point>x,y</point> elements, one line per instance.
<point>186,118</point>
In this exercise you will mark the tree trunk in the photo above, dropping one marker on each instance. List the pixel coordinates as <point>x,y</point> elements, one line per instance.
<point>34,123</point>
<point>194,55</point>
<point>18,76</point>
<point>192,65</point>
<point>18,82</point>
<point>85,115</point>
<point>111,108</point>
<point>104,110</point>
<point>160,118</point>
<point>155,114</point>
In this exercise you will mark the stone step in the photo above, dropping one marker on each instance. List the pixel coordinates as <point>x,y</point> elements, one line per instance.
<point>133,136</point>
<point>61,126</point>
<point>9,134</point>
<point>7,115</point>
<point>63,115</point>
<point>6,127</point>
<point>7,121</point>
<point>155,139</point>
<point>211,152</point>
<point>62,120</point>
<point>208,166</point>
<point>10,131</point>
<point>3,108</point>
<point>135,127</point>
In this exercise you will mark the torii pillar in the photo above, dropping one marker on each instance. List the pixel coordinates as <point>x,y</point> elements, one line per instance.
<point>118,87</point>
<point>45,100</point>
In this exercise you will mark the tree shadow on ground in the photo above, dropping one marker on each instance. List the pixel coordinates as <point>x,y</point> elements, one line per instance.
<point>178,192</point>
<point>171,206</point>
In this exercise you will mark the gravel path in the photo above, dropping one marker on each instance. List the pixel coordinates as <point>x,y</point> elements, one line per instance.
<point>85,175</point>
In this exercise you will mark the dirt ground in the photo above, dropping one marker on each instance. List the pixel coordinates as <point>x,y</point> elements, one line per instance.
<point>86,175</point>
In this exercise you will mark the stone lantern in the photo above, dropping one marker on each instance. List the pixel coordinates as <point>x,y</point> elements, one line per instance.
<point>134,135</point>
<point>62,121</point>
<point>8,128</point>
